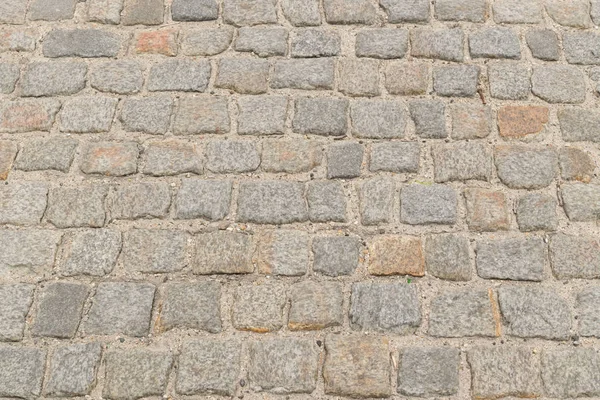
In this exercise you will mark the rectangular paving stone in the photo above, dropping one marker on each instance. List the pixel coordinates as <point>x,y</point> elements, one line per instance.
<point>91,252</point>
<point>461,161</point>
<point>9,74</point>
<point>574,256</point>
<point>494,42</point>
<point>571,373</point>
<point>249,12</point>
<point>581,201</point>
<point>335,255</point>
<point>537,212</point>
<point>442,44</point>
<point>315,42</point>
<point>21,371</point>
<point>543,44</point>
<point>428,204</point>
<point>579,124</point>
<point>515,122</point>
<point>182,75</point>
<point>87,114</point>
<point>121,77</point>
<point>448,256</point>
<point>396,255</point>
<point>74,207</point>
<point>302,12</point>
<point>223,252</point>
<point>320,116</point>
<point>524,167</point>
<point>581,47</point>
<point>146,114</point>
<point>194,10</point>
<point>428,371</point>
<point>271,202</point>
<point>385,307</point>
<point>344,160</point>
<point>376,201</point>
<point>326,201</point>
<point>395,157</point>
<point>52,10</point>
<point>140,200</point>
<point>558,84</point>
<point>15,300</point>
<point>378,119</point>
<point>509,81</point>
<point>470,121</point>
<point>29,250</point>
<point>143,12</point>
<point>461,10</point>
<point>350,12</point>
<point>315,305</point>
<point>407,78</point>
<point>203,199</point>
<point>232,156</point>
<point>23,203</point>
<point>429,117</point>
<point>576,164</point>
<point>283,252</point>
<point>512,258</point>
<point>206,42</point>
<point>73,370</point>
<point>154,250</point>
<point>264,42</point>
<point>290,156</point>
<point>399,11</point>
<point>59,309</point>
<point>191,306</point>
<point>167,158</point>
<point>13,11</point>
<point>464,313</point>
<point>262,115</point>
<point>243,75</point>
<point>487,210</point>
<point>588,309</point>
<point>218,362</point>
<point>110,158</point>
<point>105,11</point>
<point>44,154</point>
<point>359,77</point>
<point>517,12</point>
<point>305,74</point>
<point>86,43</point>
<point>201,114</point>
<point>382,43</point>
<point>259,308</point>
<point>456,80</point>
<point>53,78</point>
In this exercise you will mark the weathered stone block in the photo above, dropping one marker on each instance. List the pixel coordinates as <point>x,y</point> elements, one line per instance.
<point>350,12</point>
<point>407,79</point>
<point>574,257</point>
<point>74,207</point>
<point>291,156</point>
<point>262,115</point>
<point>513,259</point>
<point>206,42</point>
<point>517,12</point>
<point>87,114</point>
<point>326,201</point>
<point>470,121</point>
<point>558,84</point>
<point>376,198</point>
<point>316,305</point>
<point>588,310</point>
<point>509,81</point>
<point>543,44</point>
<point>21,371</point>
<point>522,167</point>
<point>110,158</point>
<point>399,11</point>
<point>571,373</point>
<point>429,117</point>
<point>461,10</point>
<point>442,44</point>
<point>171,158</point>
<point>29,250</point>
<point>73,370</point>
<point>396,255</point>
<point>59,310</point>
<point>456,80</point>
<point>223,252</point>
<point>91,252</point>
<point>320,116</point>
<point>428,204</point>
<point>283,252</point>
<point>143,12</point>
<point>39,155</point>
<point>201,114</point>
<point>464,313</point>
<point>448,256</point>
<point>306,74</point>
<point>154,250</point>
<point>579,124</point>
<point>191,306</point>
<point>22,203</point>
<point>537,212</point>
<point>521,121</point>
<point>581,201</point>
<point>194,10</point>
<point>427,372</point>
<point>576,164</point>
<point>313,42</point>
<point>461,161</point>
<point>335,255</point>
<point>229,156</point>
<point>15,300</point>
<point>382,43</point>
<point>259,308</point>
<point>249,12</point>
<point>359,77</point>
<point>183,75</point>
<point>272,202</point>
<point>486,210</point>
<point>496,42</point>
<point>395,157</point>
<point>51,78</point>
<point>243,75</point>
<point>87,43</point>
<point>203,199</point>
<point>344,160</point>
<point>377,119</point>
<point>148,114</point>
<point>302,12</point>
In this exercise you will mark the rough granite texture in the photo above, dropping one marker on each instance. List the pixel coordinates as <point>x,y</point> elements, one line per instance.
<point>299,199</point>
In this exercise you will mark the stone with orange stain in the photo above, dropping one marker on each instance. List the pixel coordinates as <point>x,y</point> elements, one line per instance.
<point>470,121</point>
<point>28,115</point>
<point>520,121</point>
<point>290,156</point>
<point>259,307</point>
<point>8,151</point>
<point>17,40</point>
<point>316,305</point>
<point>396,255</point>
<point>110,158</point>
<point>576,164</point>
<point>283,252</point>
<point>486,210</point>
<point>156,42</point>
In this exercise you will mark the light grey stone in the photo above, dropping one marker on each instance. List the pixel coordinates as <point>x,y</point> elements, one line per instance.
<point>305,74</point>
<point>382,43</point>
<point>59,310</point>
<point>537,212</point>
<point>571,373</point>
<point>512,259</point>
<point>464,313</point>
<point>572,13</point>
<point>558,83</point>
<point>314,42</point>
<point>191,305</point>
<point>377,119</point>
<point>22,203</point>
<point>376,200</point>
<point>262,115</point>
<point>194,10</point>
<point>13,11</point>
<point>509,81</point>
<point>53,78</point>
<point>326,201</point>
<point>259,308</point>
<point>121,77</point>
<point>283,252</point>
<point>290,155</point>
<point>543,44</point>
<point>15,300</point>
<point>110,158</point>
<point>442,44</point>
<point>206,42</point>
<point>302,12</point>
<point>496,42</point>
<point>359,77</point>
<point>54,153</point>
<point>73,370</point>
<point>146,114</point>
<point>399,11</point>
<point>21,371</point>
<point>87,43</point>
<point>31,250</point>
<point>574,257</point>
<point>223,252</point>
<point>168,158</point>
<point>429,117</point>
<point>522,167</point>
<point>143,12</point>
<point>581,201</point>
<point>588,310</point>
<point>350,12</point>
<point>582,47</point>
<point>579,124</point>
<point>272,202</point>
<point>344,160</point>
<point>576,164</point>
<point>320,116</point>
<point>105,11</point>
<point>427,372</point>
<point>461,161</point>
<point>395,157</point>
<point>91,252</point>
<point>228,156</point>
<point>51,10</point>
<point>179,75</point>
<point>9,74</point>
<point>154,250</point>
<point>264,42</point>
<point>316,305</point>
<point>517,12</point>
<point>202,114</point>
<point>203,199</point>
<point>407,78</point>
<point>243,75</point>
<point>428,204</point>
<point>461,10</point>
<point>448,256</point>
<point>249,12</point>
<point>456,80</point>
<point>335,255</point>
<point>70,207</point>
<point>87,114</point>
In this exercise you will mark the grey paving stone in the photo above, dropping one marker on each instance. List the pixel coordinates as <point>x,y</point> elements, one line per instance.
<point>59,309</point>
<point>87,43</point>
<point>595,11</point>
<point>290,155</point>
<point>537,212</point>
<point>203,199</point>
<point>316,305</point>
<point>15,300</point>
<point>534,312</point>
<point>576,164</point>
<point>105,12</point>
<point>87,114</point>
<point>320,116</point>
<point>335,255</point>
<point>522,167</point>
<point>357,366</point>
<point>295,360</point>
<point>509,81</point>
<point>271,202</point>
<point>264,42</point>
<point>575,13</point>
<point>154,250</point>
<point>120,308</point>
<point>517,12</point>
<point>194,10</point>
<point>513,259</point>
<point>558,84</point>
<point>456,80</point>
<point>461,10</point>
<point>13,12</point>
<point>429,117</point>
<point>581,201</point>
<point>442,44</point>
<point>179,75</point>
<point>91,252</point>
<point>21,371</point>
<point>28,115</point>
<point>283,252</point>
<point>448,256</point>
<point>228,156</point>
<point>399,11</point>
<point>22,203</point>
<point>259,308</point>
<point>146,114</point>
<point>464,313</point>
<point>249,12</point>
<point>588,310</point>
<point>223,252</point>
<point>219,363</point>
<point>543,44</point>
<point>395,157</point>
<point>571,373</point>
<point>470,121</point>
<point>30,250</point>
<point>315,42</point>
<point>496,42</point>
<point>305,74</point>
<point>143,12</point>
<point>503,371</point>
<point>385,307</point>
<point>359,77</point>
<point>72,207</point>
<point>350,12</point>
<point>201,114</point>
<point>42,154</point>
<point>136,373</point>
<point>376,197</point>
<point>243,75</point>
<point>110,158</point>
<point>407,78</point>
<point>461,161</point>
<point>302,12</point>
<point>206,42</point>
<point>171,158</point>
<point>344,160</point>
<point>73,370</point>
<point>579,124</point>
<point>9,74</point>
<point>51,10</point>
<point>191,305</point>
<point>377,119</point>
<point>53,78</point>
<point>581,47</point>
<point>262,115</point>
<point>383,43</point>
<point>121,77</point>
<point>574,257</point>
<point>428,204</point>
<point>326,201</point>
<point>427,372</point>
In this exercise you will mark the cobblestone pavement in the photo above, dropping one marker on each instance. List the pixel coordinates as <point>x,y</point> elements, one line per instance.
<point>297,199</point>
